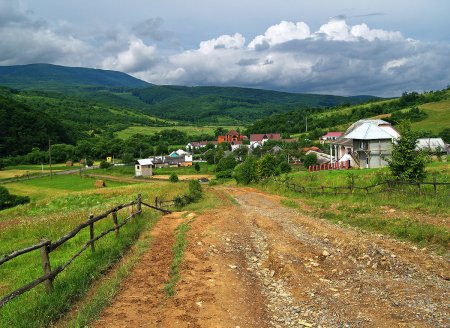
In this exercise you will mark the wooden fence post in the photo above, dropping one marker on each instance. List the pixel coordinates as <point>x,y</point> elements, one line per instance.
<point>116,224</point>
<point>418,188</point>
<point>434,183</point>
<point>91,233</point>
<point>139,203</point>
<point>156,201</point>
<point>46,267</point>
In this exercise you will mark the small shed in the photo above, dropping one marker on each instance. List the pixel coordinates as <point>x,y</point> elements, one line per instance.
<point>144,167</point>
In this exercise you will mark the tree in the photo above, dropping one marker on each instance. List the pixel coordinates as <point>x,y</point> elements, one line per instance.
<point>310,159</point>
<point>445,135</point>
<point>245,172</point>
<point>267,166</point>
<point>224,168</point>
<point>407,163</point>
<point>197,167</point>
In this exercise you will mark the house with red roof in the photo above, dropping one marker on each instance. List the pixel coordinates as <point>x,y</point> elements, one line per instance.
<point>231,136</point>
<point>257,140</point>
<point>330,137</point>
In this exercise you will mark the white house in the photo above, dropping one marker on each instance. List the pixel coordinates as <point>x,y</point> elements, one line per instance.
<point>366,144</point>
<point>330,136</point>
<point>199,144</point>
<point>431,144</point>
<point>257,140</point>
<point>143,168</point>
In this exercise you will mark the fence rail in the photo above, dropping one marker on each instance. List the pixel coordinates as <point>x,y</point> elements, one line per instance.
<point>46,246</point>
<point>390,186</point>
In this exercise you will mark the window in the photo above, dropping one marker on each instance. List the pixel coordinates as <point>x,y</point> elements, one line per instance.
<point>138,167</point>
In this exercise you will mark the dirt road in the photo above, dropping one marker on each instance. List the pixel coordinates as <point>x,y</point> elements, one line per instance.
<point>256,263</point>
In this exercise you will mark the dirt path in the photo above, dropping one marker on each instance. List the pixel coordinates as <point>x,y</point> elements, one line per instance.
<point>258,264</point>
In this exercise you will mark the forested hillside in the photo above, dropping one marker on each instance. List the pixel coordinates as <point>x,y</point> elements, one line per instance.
<point>221,105</point>
<point>22,128</point>
<point>410,106</point>
<point>60,78</point>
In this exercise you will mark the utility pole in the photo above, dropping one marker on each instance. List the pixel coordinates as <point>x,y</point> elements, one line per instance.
<point>50,156</point>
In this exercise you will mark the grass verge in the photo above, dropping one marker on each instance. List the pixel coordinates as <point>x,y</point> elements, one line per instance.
<point>103,294</point>
<point>178,253</point>
<point>422,220</point>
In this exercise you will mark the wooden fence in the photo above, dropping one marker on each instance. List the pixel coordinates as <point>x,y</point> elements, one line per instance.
<point>387,186</point>
<point>47,246</point>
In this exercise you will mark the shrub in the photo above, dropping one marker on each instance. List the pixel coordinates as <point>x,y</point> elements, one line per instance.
<point>197,167</point>
<point>245,172</point>
<point>284,167</point>
<point>7,200</point>
<point>226,163</point>
<point>195,189</point>
<point>89,162</point>
<point>267,166</point>
<point>173,177</point>
<point>104,164</point>
<point>310,159</point>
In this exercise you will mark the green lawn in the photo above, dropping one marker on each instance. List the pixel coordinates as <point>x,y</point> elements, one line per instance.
<point>188,129</point>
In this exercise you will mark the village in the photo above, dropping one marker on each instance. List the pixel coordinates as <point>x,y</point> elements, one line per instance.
<point>365,144</point>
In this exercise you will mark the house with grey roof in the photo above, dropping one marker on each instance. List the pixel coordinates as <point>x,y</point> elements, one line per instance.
<point>366,144</point>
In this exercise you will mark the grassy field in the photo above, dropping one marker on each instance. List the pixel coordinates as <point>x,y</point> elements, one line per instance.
<point>128,171</point>
<point>188,129</point>
<point>23,170</point>
<point>56,207</point>
<point>438,116</point>
<point>403,215</point>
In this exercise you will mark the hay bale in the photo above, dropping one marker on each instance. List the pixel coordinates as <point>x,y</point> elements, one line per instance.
<point>69,163</point>
<point>100,184</point>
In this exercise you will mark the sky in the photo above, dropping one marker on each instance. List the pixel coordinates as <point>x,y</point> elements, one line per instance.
<point>348,47</point>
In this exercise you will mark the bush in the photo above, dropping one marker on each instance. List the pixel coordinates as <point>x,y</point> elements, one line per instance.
<point>197,167</point>
<point>226,163</point>
<point>7,200</point>
<point>104,164</point>
<point>224,174</point>
<point>173,177</point>
<point>267,166</point>
<point>245,172</point>
<point>195,189</point>
<point>310,159</point>
<point>194,194</point>
<point>284,167</point>
<point>89,162</point>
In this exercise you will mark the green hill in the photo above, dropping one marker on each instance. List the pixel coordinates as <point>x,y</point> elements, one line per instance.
<point>58,78</point>
<point>205,105</point>
<point>429,113</point>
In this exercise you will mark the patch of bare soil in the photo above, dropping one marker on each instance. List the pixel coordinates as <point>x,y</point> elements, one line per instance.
<point>183,177</point>
<point>259,264</point>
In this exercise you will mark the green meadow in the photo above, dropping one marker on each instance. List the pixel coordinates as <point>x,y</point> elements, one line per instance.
<point>438,116</point>
<point>188,129</point>
<point>57,206</point>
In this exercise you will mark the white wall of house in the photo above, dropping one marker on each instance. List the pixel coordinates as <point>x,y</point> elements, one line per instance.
<point>143,170</point>
<point>373,153</point>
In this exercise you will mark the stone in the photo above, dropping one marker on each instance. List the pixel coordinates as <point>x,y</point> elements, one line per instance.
<point>325,253</point>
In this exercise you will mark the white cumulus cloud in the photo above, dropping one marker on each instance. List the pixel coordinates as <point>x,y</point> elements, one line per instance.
<point>279,33</point>
<point>137,57</point>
